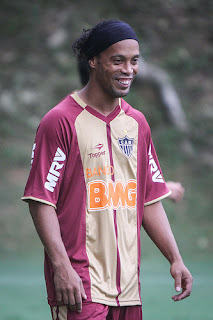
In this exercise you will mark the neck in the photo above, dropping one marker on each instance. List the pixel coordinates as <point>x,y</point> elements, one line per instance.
<point>98,100</point>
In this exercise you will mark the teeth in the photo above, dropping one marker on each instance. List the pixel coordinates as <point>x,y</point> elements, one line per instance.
<point>124,81</point>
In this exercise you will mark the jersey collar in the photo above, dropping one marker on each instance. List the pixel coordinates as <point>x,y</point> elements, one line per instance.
<point>95,113</point>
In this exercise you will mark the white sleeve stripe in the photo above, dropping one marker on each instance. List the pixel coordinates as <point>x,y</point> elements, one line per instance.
<point>157,199</point>
<point>39,200</point>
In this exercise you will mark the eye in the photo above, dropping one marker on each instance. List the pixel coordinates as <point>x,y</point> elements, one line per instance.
<point>135,61</point>
<point>117,61</point>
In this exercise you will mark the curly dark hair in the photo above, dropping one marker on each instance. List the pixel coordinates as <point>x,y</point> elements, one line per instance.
<point>83,70</point>
<point>79,45</point>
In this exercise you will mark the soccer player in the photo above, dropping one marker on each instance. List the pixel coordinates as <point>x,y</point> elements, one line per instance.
<point>176,188</point>
<point>95,180</point>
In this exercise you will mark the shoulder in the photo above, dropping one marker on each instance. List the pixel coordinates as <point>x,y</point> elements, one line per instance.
<point>136,114</point>
<point>64,113</point>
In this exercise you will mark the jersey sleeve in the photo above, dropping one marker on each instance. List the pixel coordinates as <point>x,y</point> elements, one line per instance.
<point>156,188</point>
<point>49,156</point>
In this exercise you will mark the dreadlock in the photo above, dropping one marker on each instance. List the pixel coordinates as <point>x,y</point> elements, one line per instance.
<point>79,44</point>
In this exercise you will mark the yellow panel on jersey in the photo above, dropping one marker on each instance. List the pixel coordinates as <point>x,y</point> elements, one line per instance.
<point>111,185</point>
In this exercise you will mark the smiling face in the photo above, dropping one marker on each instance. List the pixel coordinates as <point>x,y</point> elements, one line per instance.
<point>115,68</point>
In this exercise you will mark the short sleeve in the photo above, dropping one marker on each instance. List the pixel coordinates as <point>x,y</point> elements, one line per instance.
<point>49,156</point>
<point>156,188</point>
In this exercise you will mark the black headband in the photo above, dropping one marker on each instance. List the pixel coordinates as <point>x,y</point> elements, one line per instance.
<point>105,35</point>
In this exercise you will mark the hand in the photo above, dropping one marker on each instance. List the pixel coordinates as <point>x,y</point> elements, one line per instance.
<point>183,279</point>
<point>177,190</point>
<point>69,288</point>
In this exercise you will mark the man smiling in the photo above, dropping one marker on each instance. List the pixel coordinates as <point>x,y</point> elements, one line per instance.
<point>88,210</point>
<point>116,72</point>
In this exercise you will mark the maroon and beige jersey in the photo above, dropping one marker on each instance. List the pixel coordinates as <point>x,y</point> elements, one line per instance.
<point>98,173</point>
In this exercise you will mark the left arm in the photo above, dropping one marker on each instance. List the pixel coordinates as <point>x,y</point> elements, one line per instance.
<point>157,226</point>
<point>177,190</point>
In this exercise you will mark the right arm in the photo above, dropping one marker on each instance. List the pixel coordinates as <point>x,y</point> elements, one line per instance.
<point>68,285</point>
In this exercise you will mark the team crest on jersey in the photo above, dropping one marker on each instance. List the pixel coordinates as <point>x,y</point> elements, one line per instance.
<point>126,145</point>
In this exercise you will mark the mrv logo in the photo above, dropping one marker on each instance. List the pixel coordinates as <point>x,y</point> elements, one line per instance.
<point>156,175</point>
<point>54,173</point>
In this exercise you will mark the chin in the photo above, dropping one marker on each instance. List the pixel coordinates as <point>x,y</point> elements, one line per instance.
<point>121,93</point>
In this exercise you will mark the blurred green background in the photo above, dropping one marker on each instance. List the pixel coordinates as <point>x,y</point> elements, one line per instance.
<point>37,69</point>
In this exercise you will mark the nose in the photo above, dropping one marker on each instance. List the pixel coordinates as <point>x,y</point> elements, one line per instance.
<point>127,68</point>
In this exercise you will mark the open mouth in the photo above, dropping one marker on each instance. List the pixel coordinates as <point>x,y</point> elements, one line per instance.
<point>124,82</point>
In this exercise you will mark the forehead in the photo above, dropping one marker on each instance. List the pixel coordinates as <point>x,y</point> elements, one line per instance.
<point>128,47</point>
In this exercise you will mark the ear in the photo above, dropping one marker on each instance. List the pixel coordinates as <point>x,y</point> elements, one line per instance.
<point>92,62</point>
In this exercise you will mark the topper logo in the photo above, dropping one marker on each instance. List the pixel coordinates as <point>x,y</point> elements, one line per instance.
<point>99,153</point>
<point>96,154</point>
<point>156,175</point>
<point>54,173</point>
<point>98,146</point>
<point>102,195</point>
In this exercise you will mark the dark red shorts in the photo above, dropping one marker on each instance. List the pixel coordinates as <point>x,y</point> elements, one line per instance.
<point>97,311</point>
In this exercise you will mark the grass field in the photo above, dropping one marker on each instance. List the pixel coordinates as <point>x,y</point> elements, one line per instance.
<point>23,294</point>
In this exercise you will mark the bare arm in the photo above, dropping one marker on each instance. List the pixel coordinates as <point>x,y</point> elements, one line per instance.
<point>157,226</point>
<point>177,191</point>
<point>68,285</point>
